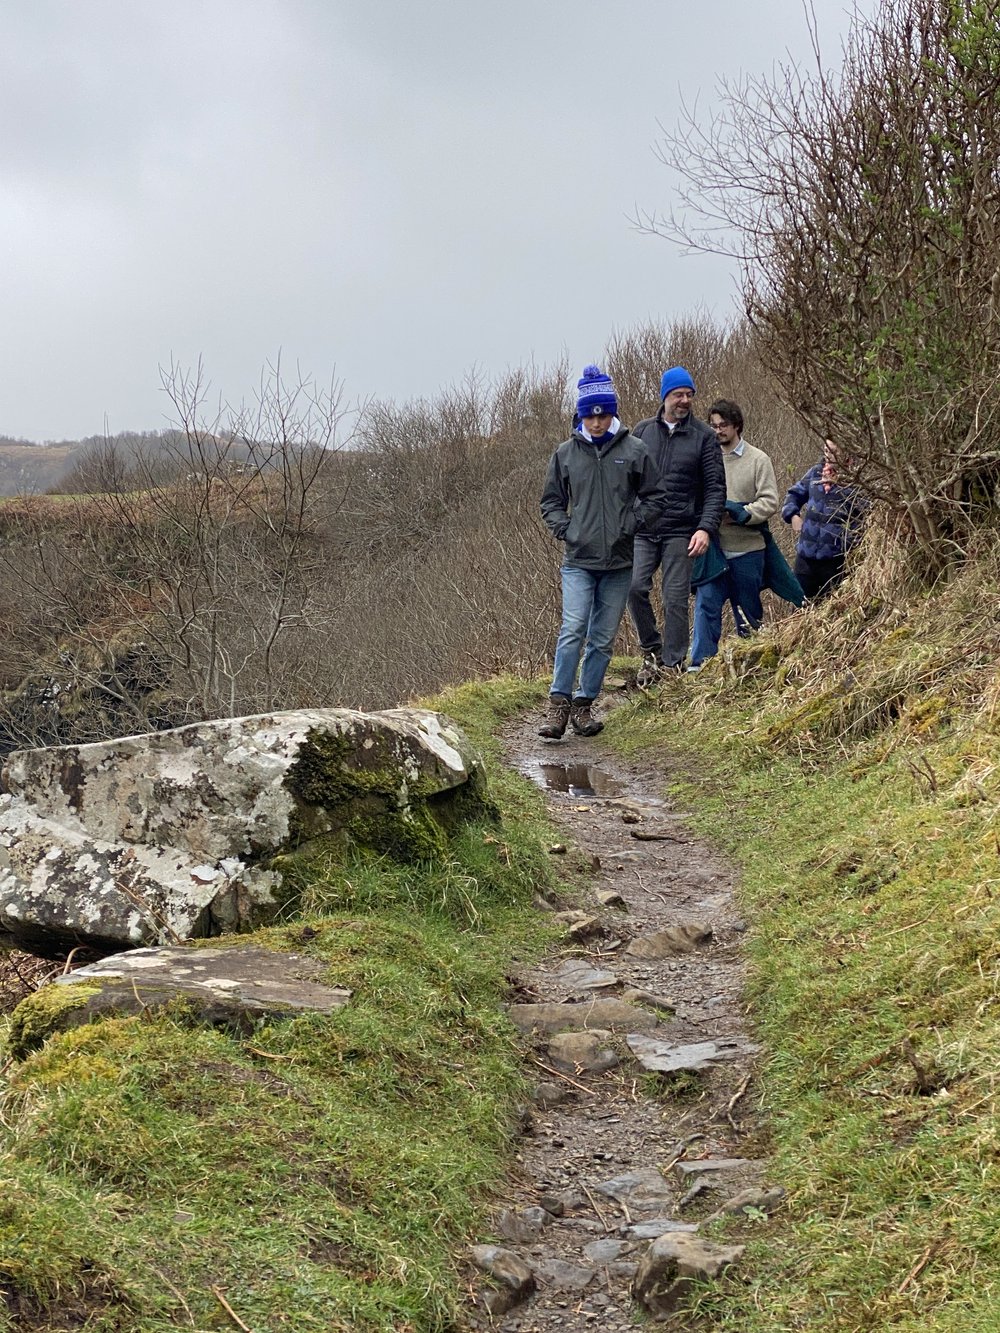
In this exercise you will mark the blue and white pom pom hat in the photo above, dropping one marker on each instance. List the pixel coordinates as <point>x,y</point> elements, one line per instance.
<point>595,393</point>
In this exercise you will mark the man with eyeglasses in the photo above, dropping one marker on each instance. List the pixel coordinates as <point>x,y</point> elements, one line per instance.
<point>691,470</point>
<point>600,485</point>
<point>751,499</point>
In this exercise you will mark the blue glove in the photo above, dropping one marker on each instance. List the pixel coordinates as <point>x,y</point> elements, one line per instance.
<point>738,512</point>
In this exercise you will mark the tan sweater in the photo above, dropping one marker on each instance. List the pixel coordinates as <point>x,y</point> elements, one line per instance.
<point>750,479</point>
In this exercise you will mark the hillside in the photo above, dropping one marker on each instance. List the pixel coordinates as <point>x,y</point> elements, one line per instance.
<point>847,759</point>
<point>30,468</point>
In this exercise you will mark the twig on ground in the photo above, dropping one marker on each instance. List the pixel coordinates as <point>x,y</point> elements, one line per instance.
<point>912,926</point>
<point>641,836</point>
<point>143,1006</point>
<point>593,1203</point>
<point>920,1265</point>
<point>740,1092</point>
<point>565,1077</point>
<point>166,1282</point>
<point>680,1151</point>
<point>230,1311</point>
<point>267,1055</point>
<point>67,966</point>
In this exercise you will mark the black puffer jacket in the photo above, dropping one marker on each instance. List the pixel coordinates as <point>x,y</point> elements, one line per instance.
<point>693,475</point>
<point>596,496</point>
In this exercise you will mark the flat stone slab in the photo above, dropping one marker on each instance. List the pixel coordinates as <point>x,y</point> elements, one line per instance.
<point>577,977</point>
<point>607,1250</point>
<point>751,1200</point>
<point>233,988</point>
<point>643,1191</point>
<point>664,1057</point>
<point>563,1276</point>
<point>659,1226</point>
<point>688,1170</point>
<point>609,1014</point>
<point>673,940</point>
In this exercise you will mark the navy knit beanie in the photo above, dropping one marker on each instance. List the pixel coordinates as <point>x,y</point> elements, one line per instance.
<point>675,378</point>
<point>595,392</point>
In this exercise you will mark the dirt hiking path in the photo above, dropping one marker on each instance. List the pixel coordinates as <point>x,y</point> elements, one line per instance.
<point>642,1121</point>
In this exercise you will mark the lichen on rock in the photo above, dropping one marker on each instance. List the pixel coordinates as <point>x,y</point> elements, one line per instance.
<point>178,834</point>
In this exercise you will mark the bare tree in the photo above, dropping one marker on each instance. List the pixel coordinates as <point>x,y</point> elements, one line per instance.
<point>198,572</point>
<point>865,209</point>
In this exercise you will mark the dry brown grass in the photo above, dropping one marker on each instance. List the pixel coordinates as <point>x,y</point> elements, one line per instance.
<point>883,660</point>
<point>21,974</point>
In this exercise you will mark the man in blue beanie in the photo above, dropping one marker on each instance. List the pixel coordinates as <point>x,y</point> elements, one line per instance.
<point>691,470</point>
<point>600,485</point>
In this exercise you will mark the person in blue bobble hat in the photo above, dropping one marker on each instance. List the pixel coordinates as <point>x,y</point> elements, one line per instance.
<point>601,485</point>
<point>694,479</point>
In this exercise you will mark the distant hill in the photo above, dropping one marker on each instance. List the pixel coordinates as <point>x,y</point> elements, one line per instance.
<point>30,468</point>
<point>77,466</point>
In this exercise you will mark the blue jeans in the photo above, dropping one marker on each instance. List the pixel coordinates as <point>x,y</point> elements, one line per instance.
<point>593,603</point>
<point>740,586</point>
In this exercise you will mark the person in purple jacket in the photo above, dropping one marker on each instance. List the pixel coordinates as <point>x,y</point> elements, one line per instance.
<point>827,518</point>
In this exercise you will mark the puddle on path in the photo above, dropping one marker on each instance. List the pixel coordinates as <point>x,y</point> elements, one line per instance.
<point>575,779</point>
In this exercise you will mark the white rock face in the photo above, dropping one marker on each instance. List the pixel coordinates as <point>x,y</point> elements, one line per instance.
<point>163,837</point>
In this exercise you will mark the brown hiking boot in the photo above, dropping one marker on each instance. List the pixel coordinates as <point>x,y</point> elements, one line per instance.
<point>558,716</point>
<point>582,720</point>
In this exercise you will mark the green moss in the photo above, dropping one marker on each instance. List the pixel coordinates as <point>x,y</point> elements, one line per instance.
<point>37,1017</point>
<point>361,796</point>
<point>923,714</point>
<point>764,656</point>
<point>326,772</point>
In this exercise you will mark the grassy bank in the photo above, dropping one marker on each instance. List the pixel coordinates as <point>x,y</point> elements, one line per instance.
<point>322,1174</point>
<point>848,763</point>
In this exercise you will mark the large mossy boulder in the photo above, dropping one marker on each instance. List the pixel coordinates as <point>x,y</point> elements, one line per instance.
<point>177,834</point>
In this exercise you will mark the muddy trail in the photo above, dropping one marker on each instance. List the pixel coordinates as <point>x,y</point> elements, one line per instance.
<point>642,1123</point>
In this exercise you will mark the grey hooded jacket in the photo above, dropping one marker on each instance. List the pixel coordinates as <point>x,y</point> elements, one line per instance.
<point>597,495</point>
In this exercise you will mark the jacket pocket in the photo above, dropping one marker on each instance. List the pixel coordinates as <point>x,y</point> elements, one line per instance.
<point>623,549</point>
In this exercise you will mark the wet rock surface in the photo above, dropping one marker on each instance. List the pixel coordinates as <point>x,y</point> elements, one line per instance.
<point>640,1130</point>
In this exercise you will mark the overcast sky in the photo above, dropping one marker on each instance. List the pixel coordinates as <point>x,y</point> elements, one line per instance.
<point>389,191</point>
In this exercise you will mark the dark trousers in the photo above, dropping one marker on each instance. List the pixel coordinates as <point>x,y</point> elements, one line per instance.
<point>669,554</point>
<point>819,576</point>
